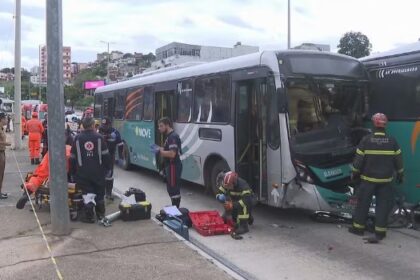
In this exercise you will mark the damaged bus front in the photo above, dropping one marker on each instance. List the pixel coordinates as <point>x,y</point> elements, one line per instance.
<point>323,99</point>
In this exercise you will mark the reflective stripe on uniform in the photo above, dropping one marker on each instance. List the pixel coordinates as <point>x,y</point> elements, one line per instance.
<point>376,180</point>
<point>358,226</point>
<point>401,170</point>
<point>379,134</point>
<point>354,169</point>
<point>245,214</point>
<point>380,229</point>
<point>235,193</point>
<point>176,196</point>
<point>360,152</point>
<point>382,152</point>
<point>222,189</point>
<point>79,153</point>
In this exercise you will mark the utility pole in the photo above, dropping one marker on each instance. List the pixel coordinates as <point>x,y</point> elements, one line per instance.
<point>17,123</point>
<point>39,73</point>
<point>288,25</point>
<point>60,219</point>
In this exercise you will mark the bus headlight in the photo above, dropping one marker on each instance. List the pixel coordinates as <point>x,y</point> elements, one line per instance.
<point>303,173</point>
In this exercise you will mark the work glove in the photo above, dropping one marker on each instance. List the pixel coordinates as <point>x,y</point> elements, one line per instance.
<point>228,205</point>
<point>221,198</point>
<point>155,149</point>
<point>112,137</point>
<point>400,178</point>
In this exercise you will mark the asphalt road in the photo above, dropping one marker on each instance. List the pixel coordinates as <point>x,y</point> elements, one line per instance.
<point>287,244</point>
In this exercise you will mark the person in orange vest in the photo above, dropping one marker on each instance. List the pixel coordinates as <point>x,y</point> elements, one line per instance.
<point>35,130</point>
<point>23,126</point>
<point>39,176</point>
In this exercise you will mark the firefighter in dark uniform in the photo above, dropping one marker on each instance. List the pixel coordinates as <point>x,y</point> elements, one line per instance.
<point>113,141</point>
<point>90,162</point>
<point>236,195</point>
<point>171,153</point>
<point>378,158</point>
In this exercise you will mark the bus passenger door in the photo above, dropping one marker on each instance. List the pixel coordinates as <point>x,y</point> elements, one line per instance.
<point>164,102</point>
<point>250,139</point>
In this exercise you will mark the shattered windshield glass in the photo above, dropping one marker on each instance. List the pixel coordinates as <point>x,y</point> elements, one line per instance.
<point>314,105</point>
<point>324,114</point>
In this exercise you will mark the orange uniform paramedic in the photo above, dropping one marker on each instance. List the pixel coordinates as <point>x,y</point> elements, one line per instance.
<point>39,176</point>
<point>23,126</point>
<point>35,129</point>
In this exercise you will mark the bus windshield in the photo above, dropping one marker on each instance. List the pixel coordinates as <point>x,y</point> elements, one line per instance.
<point>325,117</point>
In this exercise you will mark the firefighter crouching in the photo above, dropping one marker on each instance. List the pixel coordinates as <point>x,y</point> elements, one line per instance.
<point>35,130</point>
<point>236,196</point>
<point>90,162</point>
<point>378,158</point>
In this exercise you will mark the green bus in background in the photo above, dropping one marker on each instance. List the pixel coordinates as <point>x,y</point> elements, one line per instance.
<point>395,91</point>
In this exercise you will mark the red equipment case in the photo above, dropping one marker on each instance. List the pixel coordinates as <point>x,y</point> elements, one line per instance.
<point>210,223</point>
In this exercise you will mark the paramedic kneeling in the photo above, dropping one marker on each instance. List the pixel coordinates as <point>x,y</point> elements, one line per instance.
<point>90,162</point>
<point>236,196</point>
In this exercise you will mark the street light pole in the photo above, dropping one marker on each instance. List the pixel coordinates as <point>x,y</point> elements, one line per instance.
<point>17,123</point>
<point>288,25</point>
<point>60,219</point>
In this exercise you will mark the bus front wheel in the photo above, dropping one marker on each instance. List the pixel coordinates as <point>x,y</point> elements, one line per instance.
<point>217,168</point>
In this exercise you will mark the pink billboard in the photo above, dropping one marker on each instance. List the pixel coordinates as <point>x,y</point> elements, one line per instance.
<point>94,84</point>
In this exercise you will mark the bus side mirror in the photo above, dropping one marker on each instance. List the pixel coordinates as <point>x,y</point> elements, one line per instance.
<point>282,98</point>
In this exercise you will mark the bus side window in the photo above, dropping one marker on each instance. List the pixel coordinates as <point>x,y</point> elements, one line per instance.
<point>97,109</point>
<point>148,104</point>
<point>185,98</point>
<point>119,105</point>
<point>212,100</point>
<point>134,104</point>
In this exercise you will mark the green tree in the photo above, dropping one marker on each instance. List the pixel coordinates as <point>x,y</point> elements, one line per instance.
<point>354,44</point>
<point>72,94</point>
<point>84,102</point>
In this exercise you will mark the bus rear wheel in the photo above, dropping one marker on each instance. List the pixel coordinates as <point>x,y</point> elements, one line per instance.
<point>218,167</point>
<point>126,165</point>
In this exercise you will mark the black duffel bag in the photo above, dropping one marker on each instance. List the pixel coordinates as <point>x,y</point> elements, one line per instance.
<point>185,217</point>
<point>138,194</point>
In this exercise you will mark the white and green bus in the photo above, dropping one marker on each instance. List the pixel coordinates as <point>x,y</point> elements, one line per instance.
<point>287,122</point>
<point>395,84</point>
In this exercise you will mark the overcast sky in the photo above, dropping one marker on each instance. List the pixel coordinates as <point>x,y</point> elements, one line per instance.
<point>144,25</point>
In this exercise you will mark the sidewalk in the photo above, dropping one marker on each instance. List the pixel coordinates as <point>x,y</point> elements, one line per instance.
<point>136,250</point>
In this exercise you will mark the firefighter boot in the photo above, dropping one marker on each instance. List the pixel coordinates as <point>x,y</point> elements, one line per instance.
<point>376,238</point>
<point>242,227</point>
<point>22,201</point>
<point>89,214</point>
<point>100,210</point>
<point>357,231</point>
<point>250,219</point>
